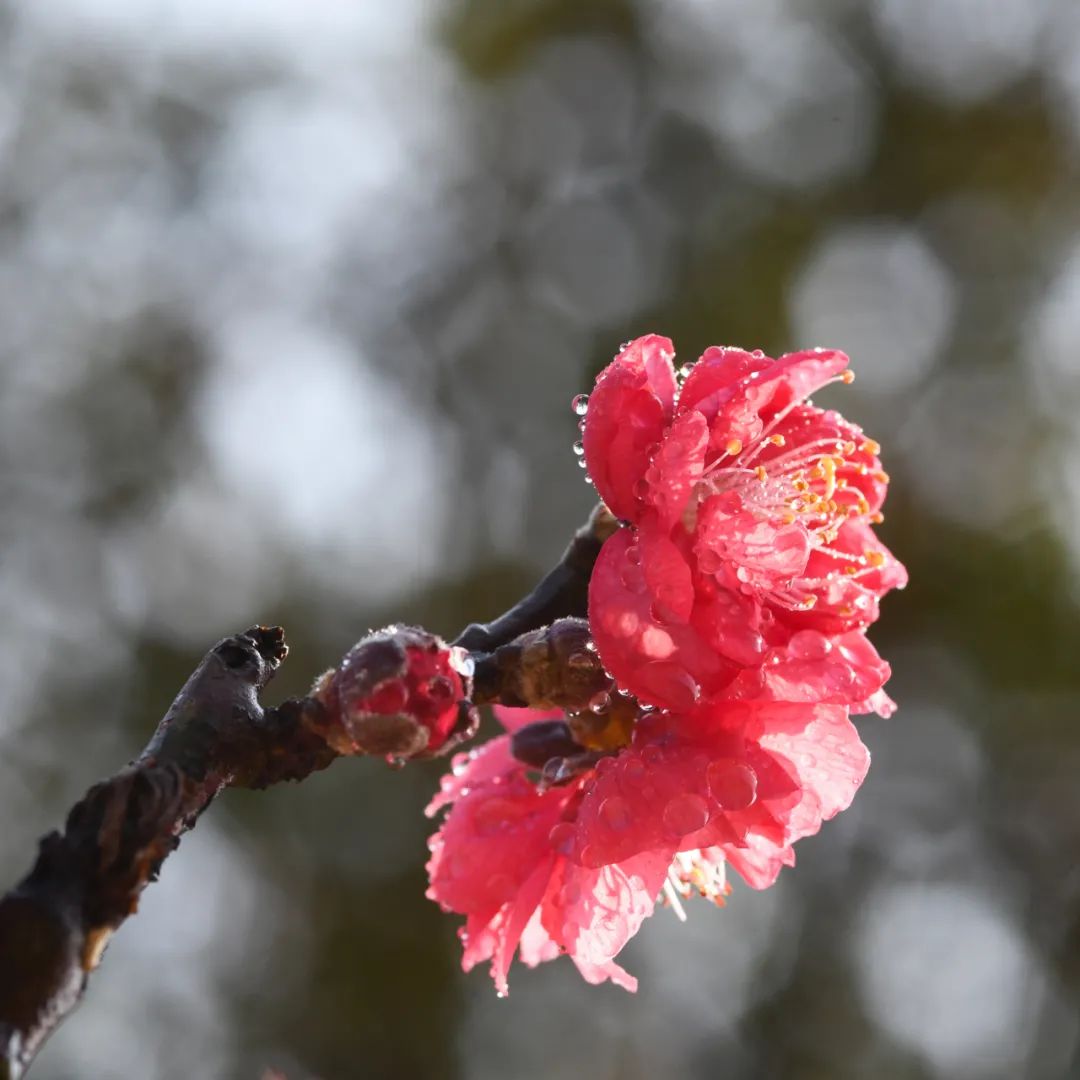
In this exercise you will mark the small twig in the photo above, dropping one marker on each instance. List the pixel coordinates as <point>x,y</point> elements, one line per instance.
<point>563,591</point>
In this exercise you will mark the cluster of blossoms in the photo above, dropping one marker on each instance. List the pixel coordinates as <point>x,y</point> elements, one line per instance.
<point>730,608</point>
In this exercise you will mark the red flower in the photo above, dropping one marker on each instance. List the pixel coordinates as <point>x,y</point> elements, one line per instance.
<point>577,868</point>
<point>750,513</point>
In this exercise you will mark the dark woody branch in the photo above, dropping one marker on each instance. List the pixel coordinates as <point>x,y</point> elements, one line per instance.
<point>87,879</point>
<point>563,591</point>
<point>55,923</point>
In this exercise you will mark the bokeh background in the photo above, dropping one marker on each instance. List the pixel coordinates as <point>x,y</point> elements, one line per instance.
<point>294,296</point>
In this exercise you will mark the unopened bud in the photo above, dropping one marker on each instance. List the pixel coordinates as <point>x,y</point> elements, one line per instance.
<point>552,667</point>
<point>401,692</point>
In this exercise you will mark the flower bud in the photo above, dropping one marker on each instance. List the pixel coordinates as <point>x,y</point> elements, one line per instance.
<point>402,692</point>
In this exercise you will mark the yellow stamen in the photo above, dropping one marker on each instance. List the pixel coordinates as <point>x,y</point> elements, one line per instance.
<point>828,467</point>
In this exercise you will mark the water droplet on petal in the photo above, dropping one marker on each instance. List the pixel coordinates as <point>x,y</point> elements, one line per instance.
<point>686,814</point>
<point>561,837</point>
<point>615,813</point>
<point>500,994</point>
<point>809,645</point>
<point>733,784</point>
<point>839,676</point>
<point>579,448</point>
<point>580,404</point>
<point>492,815</point>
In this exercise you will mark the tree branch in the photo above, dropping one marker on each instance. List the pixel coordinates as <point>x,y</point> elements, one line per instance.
<point>55,923</point>
<point>563,591</point>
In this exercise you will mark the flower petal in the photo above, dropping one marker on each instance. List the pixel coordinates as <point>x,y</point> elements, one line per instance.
<point>628,413</point>
<point>664,664</point>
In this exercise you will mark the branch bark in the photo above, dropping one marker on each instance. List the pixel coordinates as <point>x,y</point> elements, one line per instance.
<point>562,592</point>
<point>55,923</point>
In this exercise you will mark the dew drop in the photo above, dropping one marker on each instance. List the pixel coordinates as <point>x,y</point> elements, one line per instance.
<point>561,837</point>
<point>652,755</point>
<point>502,994</point>
<point>686,814</point>
<point>600,703</point>
<point>733,784</point>
<point>633,770</point>
<point>492,814</point>
<point>582,463</point>
<point>580,404</point>
<point>579,448</point>
<point>671,682</point>
<point>809,645</point>
<point>685,370</point>
<point>615,813</point>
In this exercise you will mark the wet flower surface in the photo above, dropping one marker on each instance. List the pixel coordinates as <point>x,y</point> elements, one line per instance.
<point>749,516</point>
<point>576,867</point>
<point>731,609</point>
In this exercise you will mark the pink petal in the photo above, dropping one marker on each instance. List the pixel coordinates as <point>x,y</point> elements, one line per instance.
<point>817,668</point>
<point>628,413</point>
<point>594,912</point>
<point>677,467</point>
<point>663,664</point>
<point>825,750</point>
<point>471,768</point>
<point>667,575</point>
